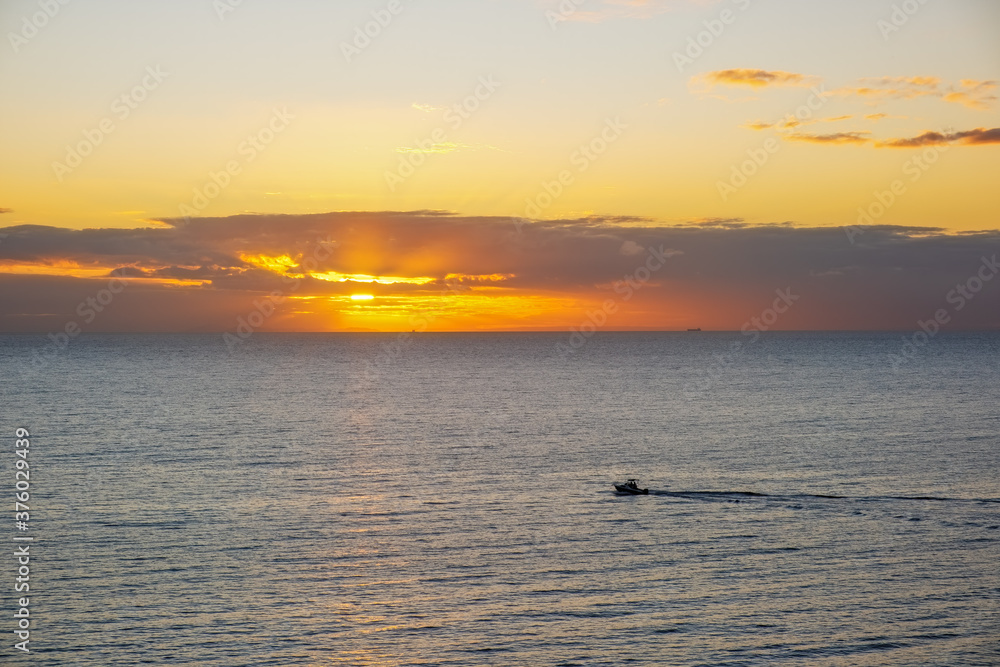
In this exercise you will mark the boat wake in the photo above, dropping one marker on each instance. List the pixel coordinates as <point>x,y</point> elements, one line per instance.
<point>747,495</point>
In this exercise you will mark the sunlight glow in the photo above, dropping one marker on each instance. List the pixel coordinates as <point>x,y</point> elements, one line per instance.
<point>283,264</point>
<point>279,264</point>
<point>55,268</point>
<point>68,269</point>
<point>335,277</point>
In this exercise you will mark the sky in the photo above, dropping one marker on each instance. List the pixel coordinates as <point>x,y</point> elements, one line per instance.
<point>466,165</point>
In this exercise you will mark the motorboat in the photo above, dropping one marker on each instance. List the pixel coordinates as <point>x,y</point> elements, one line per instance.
<point>631,486</point>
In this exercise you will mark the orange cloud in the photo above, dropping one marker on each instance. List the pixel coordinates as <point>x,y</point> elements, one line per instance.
<point>912,81</point>
<point>973,94</point>
<point>835,138</point>
<point>978,136</point>
<point>791,122</point>
<point>925,139</point>
<point>756,78</point>
<point>487,273</point>
<point>969,92</point>
<point>929,138</point>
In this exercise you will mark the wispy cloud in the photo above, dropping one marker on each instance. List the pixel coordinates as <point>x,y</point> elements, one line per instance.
<point>834,138</point>
<point>930,138</point>
<point>790,122</point>
<point>875,117</point>
<point>973,94</point>
<point>754,78</point>
<point>968,92</point>
<point>978,136</point>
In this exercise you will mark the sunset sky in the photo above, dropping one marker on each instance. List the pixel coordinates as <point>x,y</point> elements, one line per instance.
<point>498,164</point>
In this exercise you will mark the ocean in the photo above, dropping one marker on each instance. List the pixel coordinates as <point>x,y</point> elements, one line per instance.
<point>447,499</point>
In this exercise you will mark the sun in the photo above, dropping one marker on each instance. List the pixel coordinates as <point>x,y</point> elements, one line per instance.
<point>361,297</point>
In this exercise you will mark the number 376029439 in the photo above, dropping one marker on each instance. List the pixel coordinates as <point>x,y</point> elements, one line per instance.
<point>22,477</point>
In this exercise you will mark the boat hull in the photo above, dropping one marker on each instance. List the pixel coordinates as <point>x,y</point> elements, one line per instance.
<point>621,488</point>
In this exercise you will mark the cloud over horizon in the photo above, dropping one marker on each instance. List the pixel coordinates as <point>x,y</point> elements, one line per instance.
<point>201,275</point>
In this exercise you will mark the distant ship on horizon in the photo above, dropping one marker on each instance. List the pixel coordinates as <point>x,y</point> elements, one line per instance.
<point>699,329</point>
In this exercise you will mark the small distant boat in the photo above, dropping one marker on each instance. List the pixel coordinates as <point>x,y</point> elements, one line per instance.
<point>694,329</point>
<point>631,486</point>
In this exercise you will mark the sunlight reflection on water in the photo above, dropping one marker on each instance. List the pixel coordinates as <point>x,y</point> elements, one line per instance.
<point>282,509</point>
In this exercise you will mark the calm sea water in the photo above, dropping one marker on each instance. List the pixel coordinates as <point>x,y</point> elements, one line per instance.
<point>446,500</point>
